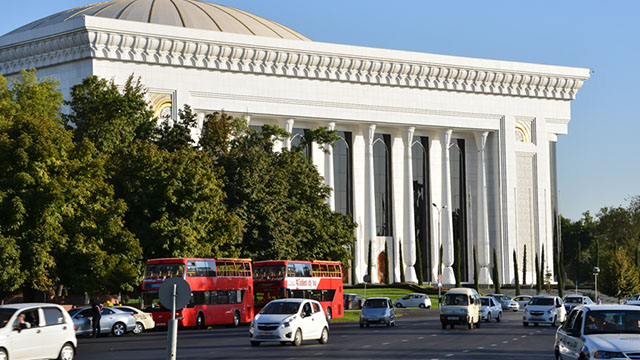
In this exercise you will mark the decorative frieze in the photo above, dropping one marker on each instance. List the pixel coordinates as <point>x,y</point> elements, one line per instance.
<point>289,62</point>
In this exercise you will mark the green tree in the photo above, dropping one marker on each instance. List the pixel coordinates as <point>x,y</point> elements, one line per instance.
<point>515,271</point>
<point>524,266</point>
<point>402,275</point>
<point>619,278</point>
<point>109,118</point>
<point>538,278</point>
<point>476,280</point>
<point>578,263</point>
<point>496,273</point>
<point>387,276</point>
<point>174,135</point>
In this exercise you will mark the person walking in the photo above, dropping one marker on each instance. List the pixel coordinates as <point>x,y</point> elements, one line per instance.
<point>96,312</point>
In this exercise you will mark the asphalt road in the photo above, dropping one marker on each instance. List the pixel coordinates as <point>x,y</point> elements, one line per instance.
<point>418,335</point>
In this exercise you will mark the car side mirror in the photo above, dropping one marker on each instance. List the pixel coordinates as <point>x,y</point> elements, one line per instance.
<point>573,332</point>
<point>17,328</point>
<point>558,305</point>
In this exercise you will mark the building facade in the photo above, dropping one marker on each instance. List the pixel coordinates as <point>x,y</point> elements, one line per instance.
<point>438,155</point>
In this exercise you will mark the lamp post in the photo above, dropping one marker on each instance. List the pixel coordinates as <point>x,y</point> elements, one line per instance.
<point>596,271</point>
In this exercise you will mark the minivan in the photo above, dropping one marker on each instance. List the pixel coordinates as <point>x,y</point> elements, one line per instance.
<point>460,306</point>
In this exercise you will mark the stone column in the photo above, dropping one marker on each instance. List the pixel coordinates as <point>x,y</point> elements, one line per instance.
<point>409,246</point>
<point>328,170</point>
<point>288,126</point>
<point>448,277</point>
<point>483,223</point>
<point>370,203</point>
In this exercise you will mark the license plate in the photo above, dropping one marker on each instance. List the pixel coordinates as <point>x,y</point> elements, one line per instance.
<point>266,332</point>
<point>161,324</point>
<point>454,318</point>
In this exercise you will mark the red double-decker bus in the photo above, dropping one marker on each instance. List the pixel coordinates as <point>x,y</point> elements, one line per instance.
<point>221,290</point>
<point>317,280</point>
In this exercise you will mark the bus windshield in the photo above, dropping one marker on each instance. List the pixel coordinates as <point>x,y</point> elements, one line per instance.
<point>163,271</point>
<point>151,302</point>
<point>268,272</point>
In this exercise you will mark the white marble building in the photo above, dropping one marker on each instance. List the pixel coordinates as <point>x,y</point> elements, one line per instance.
<point>436,150</point>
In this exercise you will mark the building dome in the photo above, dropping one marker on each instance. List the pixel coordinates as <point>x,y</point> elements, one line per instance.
<point>192,14</point>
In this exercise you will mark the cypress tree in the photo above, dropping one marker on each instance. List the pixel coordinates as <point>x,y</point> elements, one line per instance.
<point>637,253</point>
<point>560,280</point>
<point>402,276</point>
<point>597,253</point>
<point>476,276</point>
<point>418,265</point>
<point>440,266</point>
<point>496,273</point>
<point>457,268</point>
<point>542,277</point>
<point>369,263</point>
<point>515,271</point>
<point>524,266</point>
<point>353,264</point>
<point>578,260</point>
<point>538,284</point>
<point>387,276</point>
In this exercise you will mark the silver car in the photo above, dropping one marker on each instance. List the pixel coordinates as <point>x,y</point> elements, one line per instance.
<point>114,321</point>
<point>506,302</point>
<point>490,309</point>
<point>378,310</point>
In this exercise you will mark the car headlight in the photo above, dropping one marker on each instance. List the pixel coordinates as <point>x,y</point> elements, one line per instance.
<point>550,311</point>
<point>601,354</point>
<point>287,322</point>
<point>253,323</point>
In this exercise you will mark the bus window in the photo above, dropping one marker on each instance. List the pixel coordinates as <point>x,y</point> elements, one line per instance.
<point>291,270</point>
<point>191,268</point>
<point>315,268</point>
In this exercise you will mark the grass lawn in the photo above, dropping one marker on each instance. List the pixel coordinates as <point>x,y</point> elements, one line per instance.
<point>391,293</point>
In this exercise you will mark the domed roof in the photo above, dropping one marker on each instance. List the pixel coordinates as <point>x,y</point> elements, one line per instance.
<point>193,14</point>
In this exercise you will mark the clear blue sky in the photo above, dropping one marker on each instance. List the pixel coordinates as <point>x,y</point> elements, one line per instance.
<point>597,163</point>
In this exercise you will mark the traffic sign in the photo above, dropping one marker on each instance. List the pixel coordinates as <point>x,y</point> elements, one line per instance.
<point>439,277</point>
<point>182,293</point>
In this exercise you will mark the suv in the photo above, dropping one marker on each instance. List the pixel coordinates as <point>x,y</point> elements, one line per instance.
<point>544,310</point>
<point>36,331</point>
<point>290,320</point>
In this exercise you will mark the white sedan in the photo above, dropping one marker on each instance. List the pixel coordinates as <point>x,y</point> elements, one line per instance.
<point>599,332</point>
<point>144,321</point>
<point>490,309</point>
<point>290,321</point>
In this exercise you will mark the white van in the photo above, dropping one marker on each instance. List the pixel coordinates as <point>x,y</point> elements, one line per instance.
<point>460,306</point>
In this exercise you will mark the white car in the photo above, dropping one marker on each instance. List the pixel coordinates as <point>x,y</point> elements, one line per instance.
<point>414,300</point>
<point>599,332</point>
<point>544,310</point>
<point>290,320</point>
<point>490,309</point>
<point>36,331</point>
<point>571,301</point>
<point>144,321</point>
<point>522,300</point>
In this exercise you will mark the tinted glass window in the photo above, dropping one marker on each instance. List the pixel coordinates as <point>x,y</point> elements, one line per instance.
<point>53,316</point>
<point>375,303</point>
<point>485,302</point>
<point>162,271</point>
<point>107,311</point>
<point>31,317</point>
<point>281,308</point>
<point>382,183</point>
<point>541,301</point>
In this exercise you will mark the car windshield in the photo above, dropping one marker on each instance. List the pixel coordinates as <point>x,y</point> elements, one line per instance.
<point>280,307</point>
<point>573,300</point>
<point>375,303</point>
<point>455,299</point>
<point>485,302</point>
<point>612,322</point>
<point>5,315</point>
<point>541,301</point>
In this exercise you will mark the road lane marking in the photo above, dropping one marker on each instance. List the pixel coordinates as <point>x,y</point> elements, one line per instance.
<point>404,340</point>
<point>386,343</point>
<point>480,348</point>
<point>465,351</point>
<point>493,344</point>
<point>505,342</point>
<point>366,346</point>
<point>523,336</point>
<point>514,339</point>
<point>420,337</point>
<point>449,355</point>
<point>343,336</point>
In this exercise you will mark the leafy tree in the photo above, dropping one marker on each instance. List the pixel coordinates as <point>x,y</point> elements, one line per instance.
<point>174,135</point>
<point>109,118</point>
<point>218,132</point>
<point>619,278</point>
<point>496,273</point>
<point>597,261</point>
<point>578,263</point>
<point>538,278</point>
<point>515,271</point>
<point>476,280</point>
<point>402,275</point>
<point>524,266</point>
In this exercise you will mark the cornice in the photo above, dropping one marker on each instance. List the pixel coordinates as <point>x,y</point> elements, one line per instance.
<point>282,61</point>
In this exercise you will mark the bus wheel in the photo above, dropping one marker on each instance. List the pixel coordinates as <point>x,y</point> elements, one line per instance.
<point>236,319</point>
<point>329,315</point>
<point>200,321</point>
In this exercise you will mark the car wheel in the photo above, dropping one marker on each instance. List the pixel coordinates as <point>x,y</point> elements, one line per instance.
<point>389,323</point>
<point>361,325</point>
<point>478,324</point>
<point>555,321</point>
<point>525,324</point>
<point>470,325</point>
<point>488,317</point>
<point>535,324</point>
<point>200,321</point>
<point>139,328</point>
<point>66,353</point>
<point>398,305</point>
<point>255,343</point>
<point>3,354</point>
<point>324,337</point>
<point>422,306</point>
<point>297,339</point>
<point>329,314</point>
<point>118,329</point>
<point>451,325</point>
<point>236,319</point>
<point>499,318</point>
<point>557,353</point>
<point>444,326</point>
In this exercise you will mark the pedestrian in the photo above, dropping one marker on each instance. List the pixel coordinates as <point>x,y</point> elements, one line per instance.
<point>96,312</point>
<point>598,301</point>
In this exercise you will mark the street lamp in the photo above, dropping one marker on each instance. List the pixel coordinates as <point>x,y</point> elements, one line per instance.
<point>596,271</point>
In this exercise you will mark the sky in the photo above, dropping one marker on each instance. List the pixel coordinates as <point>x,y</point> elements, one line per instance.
<point>597,160</point>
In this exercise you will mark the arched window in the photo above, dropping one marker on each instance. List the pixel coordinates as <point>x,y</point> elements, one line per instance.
<point>382,180</point>
<point>342,172</point>
<point>297,135</point>
<point>421,201</point>
<point>459,206</point>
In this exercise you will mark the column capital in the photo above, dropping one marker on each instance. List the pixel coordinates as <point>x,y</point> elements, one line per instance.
<point>408,132</point>
<point>481,139</point>
<point>331,125</point>
<point>371,132</point>
<point>288,124</point>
